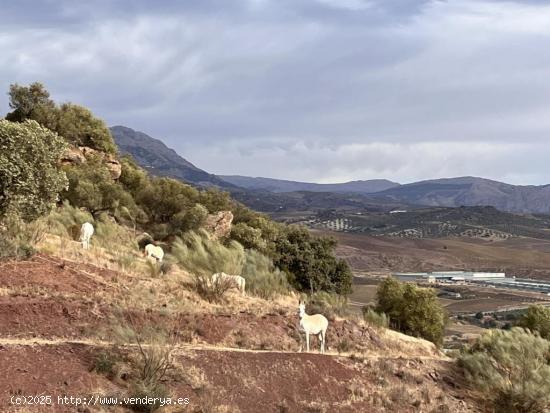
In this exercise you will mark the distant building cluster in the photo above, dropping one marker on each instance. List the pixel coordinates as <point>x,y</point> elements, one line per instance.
<point>494,279</point>
<point>449,276</point>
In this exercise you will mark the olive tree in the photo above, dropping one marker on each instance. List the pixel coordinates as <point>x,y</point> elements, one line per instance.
<point>30,179</point>
<point>412,310</point>
<point>537,318</point>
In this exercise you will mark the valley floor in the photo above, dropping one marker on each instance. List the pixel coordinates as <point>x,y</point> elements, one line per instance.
<point>520,257</point>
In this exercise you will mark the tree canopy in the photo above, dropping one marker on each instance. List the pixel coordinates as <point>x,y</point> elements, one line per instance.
<point>411,309</point>
<point>30,179</point>
<point>75,123</point>
<point>537,319</point>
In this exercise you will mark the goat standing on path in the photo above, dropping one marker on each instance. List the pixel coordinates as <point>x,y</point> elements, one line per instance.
<point>86,232</point>
<point>315,324</point>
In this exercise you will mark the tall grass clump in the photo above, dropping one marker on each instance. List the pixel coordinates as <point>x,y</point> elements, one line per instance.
<point>110,235</point>
<point>154,343</point>
<point>202,257</point>
<point>329,304</point>
<point>262,277</point>
<point>18,238</point>
<point>375,319</point>
<point>510,370</point>
<point>65,221</point>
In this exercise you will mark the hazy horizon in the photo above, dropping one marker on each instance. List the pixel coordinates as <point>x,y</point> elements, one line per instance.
<point>306,90</point>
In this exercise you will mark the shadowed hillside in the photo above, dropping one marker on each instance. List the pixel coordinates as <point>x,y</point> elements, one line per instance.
<point>280,185</point>
<point>153,155</point>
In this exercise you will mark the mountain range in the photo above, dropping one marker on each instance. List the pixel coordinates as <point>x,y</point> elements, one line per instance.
<point>280,185</point>
<point>271,195</point>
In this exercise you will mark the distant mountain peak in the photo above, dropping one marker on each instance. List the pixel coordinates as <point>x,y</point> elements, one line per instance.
<point>159,159</point>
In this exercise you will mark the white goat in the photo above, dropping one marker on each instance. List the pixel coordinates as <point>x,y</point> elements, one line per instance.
<point>238,281</point>
<point>154,252</point>
<point>86,232</point>
<point>316,324</point>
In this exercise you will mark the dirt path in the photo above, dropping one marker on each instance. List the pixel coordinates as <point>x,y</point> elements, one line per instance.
<point>31,342</point>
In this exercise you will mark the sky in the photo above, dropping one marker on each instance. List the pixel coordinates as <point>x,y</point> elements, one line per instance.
<point>310,90</point>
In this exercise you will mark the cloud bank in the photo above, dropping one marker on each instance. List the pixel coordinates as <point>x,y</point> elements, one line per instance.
<point>316,90</point>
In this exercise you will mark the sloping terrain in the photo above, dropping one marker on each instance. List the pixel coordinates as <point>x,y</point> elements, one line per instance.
<point>56,314</point>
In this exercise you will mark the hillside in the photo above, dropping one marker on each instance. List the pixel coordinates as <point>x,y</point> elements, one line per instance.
<point>153,155</point>
<point>237,357</point>
<point>280,185</point>
<point>472,191</point>
<point>474,222</point>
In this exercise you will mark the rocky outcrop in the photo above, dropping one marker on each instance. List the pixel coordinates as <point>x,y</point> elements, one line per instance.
<point>219,224</point>
<point>77,156</point>
<point>114,167</point>
<point>72,156</point>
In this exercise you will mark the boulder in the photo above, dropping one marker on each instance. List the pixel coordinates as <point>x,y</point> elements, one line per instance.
<point>114,166</point>
<point>77,156</point>
<point>219,224</point>
<point>72,156</point>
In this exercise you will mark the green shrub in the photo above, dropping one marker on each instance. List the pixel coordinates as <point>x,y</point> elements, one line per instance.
<point>510,370</point>
<point>91,187</point>
<point>412,310</point>
<point>262,277</point>
<point>536,318</point>
<point>32,102</point>
<point>112,236</point>
<point>30,180</point>
<point>80,127</point>
<point>311,263</point>
<point>248,236</point>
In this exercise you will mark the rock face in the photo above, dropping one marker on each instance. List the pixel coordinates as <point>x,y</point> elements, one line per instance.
<point>77,156</point>
<point>72,156</point>
<point>114,166</point>
<point>219,224</point>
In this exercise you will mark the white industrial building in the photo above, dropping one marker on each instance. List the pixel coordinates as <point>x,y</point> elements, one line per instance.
<point>449,276</point>
<point>495,279</point>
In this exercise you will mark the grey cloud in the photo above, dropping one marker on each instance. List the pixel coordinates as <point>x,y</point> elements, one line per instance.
<point>303,89</point>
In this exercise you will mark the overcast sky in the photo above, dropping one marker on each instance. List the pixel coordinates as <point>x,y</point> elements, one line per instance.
<point>312,90</point>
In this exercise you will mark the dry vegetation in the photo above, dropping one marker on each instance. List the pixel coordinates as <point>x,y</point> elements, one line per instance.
<point>157,335</point>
